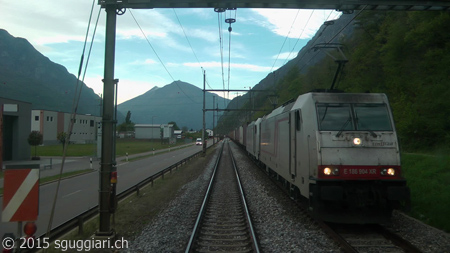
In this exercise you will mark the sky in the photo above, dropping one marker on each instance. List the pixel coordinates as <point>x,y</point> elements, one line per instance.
<point>158,46</point>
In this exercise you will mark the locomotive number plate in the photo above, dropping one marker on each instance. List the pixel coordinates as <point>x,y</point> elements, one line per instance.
<point>360,171</point>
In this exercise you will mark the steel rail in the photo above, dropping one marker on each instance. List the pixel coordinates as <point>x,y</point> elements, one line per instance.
<point>205,201</point>
<point>345,245</point>
<point>244,202</point>
<point>396,239</point>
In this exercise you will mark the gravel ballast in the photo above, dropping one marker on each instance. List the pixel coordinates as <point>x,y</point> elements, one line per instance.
<point>279,224</point>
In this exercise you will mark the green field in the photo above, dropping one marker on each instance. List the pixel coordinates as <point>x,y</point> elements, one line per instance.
<point>123,146</point>
<point>428,177</point>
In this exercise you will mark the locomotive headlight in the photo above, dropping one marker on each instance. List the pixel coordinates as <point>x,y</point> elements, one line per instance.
<point>357,141</point>
<point>327,171</point>
<point>389,171</point>
<point>331,171</point>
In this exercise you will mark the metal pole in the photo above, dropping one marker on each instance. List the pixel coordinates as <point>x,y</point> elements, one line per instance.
<point>107,123</point>
<point>217,113</point>
<point>214,139</point>
<point>204,119</point>
<point>251,106</point>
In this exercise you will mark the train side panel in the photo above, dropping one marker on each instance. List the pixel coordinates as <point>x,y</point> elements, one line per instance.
<point>253,139</point>
<point>274,141</point>
<point>303,159</point>
<point>250,139</point>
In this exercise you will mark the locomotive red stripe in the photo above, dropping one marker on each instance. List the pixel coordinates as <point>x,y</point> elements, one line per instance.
<point>363,172</point>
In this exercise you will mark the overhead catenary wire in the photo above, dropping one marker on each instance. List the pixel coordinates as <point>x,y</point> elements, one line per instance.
<point>300,36</point>
<point>219,21</point>
<point>159,58</point>
<point>229,21</point>
<point>189,42</point>
<point>284,42</point>
<point>77,95</point>
<point>332,38</point>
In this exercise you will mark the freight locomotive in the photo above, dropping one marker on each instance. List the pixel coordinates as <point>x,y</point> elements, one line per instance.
<point>337,152</point>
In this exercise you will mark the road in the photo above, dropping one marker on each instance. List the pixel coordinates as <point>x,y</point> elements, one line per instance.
<point>80,193</point>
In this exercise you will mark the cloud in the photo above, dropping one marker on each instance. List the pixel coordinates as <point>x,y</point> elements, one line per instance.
<point>293,23</point>
<point>46,22</point>
<point>144,62</point>
<point>285,56</point>
<point>215,64</point>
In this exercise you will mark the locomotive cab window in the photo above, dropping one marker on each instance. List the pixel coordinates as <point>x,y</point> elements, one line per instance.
<point>373,117</point>
<point>351,117</point>
<point>335,117</point>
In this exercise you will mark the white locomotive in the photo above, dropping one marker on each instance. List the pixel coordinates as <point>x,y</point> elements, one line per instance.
<point>337,151</point>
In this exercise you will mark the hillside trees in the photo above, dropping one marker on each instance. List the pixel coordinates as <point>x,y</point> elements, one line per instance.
<point>405,55</point>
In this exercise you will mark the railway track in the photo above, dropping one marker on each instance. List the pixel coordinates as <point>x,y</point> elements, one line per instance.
<point>353,238</point>
<point>223,223</point>
<point>370,238</point>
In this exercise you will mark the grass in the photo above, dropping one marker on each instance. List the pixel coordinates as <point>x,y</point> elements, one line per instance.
<point>123,146</point>
<point>428,177</point>
<point>135,212</point>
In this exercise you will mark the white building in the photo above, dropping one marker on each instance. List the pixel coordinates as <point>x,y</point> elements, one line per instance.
<point>50,123</point>
<point>155,131</point>
<point>210,133</point>
<point>178,133</point>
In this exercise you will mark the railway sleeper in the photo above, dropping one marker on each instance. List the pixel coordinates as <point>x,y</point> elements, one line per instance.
<point>228,233</point>
<point>224,226</point>
<point>230,239</point>
<point>213,220</point>
<point>224,244</point>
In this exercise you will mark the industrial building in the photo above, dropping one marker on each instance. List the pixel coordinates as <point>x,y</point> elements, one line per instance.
<point>50,123</point>
<point>163,132</point>
<point>14,129</point>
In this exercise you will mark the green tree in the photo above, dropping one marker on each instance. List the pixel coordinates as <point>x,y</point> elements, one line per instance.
<point>34,139</point>
<point>128,125</point>
<point>62,137</point>
<point>175,127</point>
<point>128,118</point>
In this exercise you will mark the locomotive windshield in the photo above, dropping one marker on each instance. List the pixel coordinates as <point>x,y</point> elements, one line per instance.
<point>350,117</point>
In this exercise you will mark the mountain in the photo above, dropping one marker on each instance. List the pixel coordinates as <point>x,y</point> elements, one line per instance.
<point>179,101</point>
<point>306,58</point>
<point>405,55</point>
<point>27,75</point>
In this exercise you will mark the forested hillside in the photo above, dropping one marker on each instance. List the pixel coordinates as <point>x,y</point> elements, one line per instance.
<point>403,54</point>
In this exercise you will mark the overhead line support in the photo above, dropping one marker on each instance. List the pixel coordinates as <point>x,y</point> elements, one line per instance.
<point>204,111</point>
<point>107,158</point>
